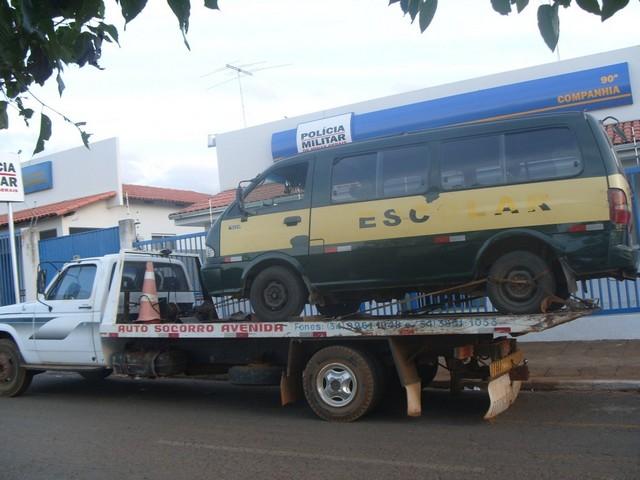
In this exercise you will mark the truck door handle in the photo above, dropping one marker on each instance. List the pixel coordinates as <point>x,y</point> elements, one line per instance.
<point>84,307</point>
<point>291,221</point>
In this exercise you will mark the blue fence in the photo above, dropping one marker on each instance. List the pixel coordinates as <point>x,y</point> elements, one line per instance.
<point>54,252</point>
<point>613,296</point>
<point>7,290</point>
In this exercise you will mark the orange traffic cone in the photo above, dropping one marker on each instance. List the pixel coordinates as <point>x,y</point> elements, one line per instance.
<point>149,308</point>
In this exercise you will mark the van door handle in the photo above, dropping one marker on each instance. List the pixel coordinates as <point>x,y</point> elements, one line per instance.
<point>84,307</point>
<point>291,221</point>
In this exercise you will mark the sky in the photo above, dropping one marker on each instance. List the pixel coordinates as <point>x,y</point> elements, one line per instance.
<point>162,100</point>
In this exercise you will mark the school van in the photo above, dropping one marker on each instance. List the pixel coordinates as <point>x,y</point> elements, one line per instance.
<point>530,204</point>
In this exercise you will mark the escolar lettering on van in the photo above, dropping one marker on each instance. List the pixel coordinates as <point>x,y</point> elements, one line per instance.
<point>392,219</point>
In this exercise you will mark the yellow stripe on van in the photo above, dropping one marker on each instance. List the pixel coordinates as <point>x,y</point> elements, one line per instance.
<point>511,206</point>
<point>261,232</point>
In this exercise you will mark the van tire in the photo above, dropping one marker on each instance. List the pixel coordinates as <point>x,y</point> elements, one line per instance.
<point>277,294</point>
<point>354,368</point>
<point>14,378</point>
<point>537,279</point>
<point>338,309</point>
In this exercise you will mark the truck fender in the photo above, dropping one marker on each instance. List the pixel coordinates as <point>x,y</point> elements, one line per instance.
<point>517,232</point>
<point>10,333</point>
<point>273,258</point>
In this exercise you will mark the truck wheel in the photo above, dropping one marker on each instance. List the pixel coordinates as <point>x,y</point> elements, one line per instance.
<point>338,309</point>
<point>341,384</point>
<point>14,379</point>
<point>96,375</point>
<point>519,281</point>
<point>277,294</point>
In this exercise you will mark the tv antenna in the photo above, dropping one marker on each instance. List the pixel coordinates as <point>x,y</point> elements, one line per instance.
<point>239,71</point>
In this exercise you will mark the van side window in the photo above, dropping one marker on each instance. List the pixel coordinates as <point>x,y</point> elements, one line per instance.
<point>76,283</point>
<point>281,185</point>
<point>542,154</point>
<point>404,171</point>
<point>354,178</point>
<point>471,162</point>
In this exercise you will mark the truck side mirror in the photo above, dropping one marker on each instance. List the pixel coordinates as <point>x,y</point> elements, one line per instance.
<point>41,280</point>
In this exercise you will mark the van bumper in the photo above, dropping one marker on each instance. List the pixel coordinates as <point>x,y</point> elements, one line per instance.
<point>625,258</point>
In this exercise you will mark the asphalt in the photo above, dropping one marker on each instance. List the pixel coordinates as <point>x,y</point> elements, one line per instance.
<point>608,365</point>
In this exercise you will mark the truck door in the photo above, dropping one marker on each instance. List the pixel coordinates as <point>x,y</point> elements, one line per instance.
<point>277,215</point>
<point>65,322</point>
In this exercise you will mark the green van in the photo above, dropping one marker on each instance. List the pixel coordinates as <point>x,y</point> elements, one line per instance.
<point>532,204</point>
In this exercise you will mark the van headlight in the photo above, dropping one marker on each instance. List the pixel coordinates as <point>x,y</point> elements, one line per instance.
<point>209,252</point>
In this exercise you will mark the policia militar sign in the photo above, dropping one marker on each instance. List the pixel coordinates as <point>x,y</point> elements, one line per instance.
<point>11,185</point>
<point>324,133</point>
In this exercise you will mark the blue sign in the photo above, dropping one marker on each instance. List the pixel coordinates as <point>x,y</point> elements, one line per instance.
<point>37,177</point>
<point>596,88</point>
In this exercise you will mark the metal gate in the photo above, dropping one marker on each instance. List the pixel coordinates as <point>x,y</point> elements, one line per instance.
<point>7,290</point>
<point>54,252</point>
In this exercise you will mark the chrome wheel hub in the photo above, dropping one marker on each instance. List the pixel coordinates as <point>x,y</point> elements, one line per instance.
<point>336,384</point>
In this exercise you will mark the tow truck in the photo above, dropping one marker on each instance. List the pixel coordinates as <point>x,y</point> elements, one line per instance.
<point>90,320</point>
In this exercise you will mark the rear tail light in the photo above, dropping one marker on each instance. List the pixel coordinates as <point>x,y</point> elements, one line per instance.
<point>619,211</point>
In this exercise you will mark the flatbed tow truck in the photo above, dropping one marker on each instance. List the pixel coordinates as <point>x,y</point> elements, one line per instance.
<point>343,367</point>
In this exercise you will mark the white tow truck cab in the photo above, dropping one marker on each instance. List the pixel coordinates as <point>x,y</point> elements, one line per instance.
<point>89,320</point>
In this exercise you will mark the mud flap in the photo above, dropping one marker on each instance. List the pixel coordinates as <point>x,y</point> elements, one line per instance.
<point>502,393</point>
<point>408,374</point>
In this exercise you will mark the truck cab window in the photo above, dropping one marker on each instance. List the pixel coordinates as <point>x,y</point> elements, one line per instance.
<point>281,185</point>
<point>75,283</point>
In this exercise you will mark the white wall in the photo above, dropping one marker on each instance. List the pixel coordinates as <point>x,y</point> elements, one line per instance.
<point>592,327</point>
<point>78,172</point>
<point>244,153</point>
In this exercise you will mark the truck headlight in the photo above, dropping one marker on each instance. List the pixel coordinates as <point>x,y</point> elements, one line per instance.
<point>209,252</point>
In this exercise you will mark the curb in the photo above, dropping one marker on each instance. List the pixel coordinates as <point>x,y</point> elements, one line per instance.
<point>558,384</point>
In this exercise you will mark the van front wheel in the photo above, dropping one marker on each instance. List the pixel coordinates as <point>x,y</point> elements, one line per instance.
<point>519,281</point>
<point>277,294</point>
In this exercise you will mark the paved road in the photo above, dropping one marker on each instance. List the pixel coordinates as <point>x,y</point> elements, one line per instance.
<point>66,428</point>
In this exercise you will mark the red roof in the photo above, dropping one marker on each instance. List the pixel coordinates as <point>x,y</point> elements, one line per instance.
<point>55,209</point>
<point>218,200</point>
<point>171,195</point>
<point>631,130</point>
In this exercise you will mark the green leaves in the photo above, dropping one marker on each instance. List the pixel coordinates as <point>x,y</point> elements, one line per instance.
<point>213,4</point>
<point>549,24</point>
<point>427,13</point>
<point>503,7</point>
<point>4,118</point>
<point>131,8</point>
<point>591,6</point>
<point>610,7</point>
<point>45,133</point>
<point>182,11</point>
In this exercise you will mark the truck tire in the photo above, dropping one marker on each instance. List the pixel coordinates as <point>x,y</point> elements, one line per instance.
<point>14,378</point>
<point>276,294</point>
<point>338,309</point>
<point>96,375</point>
<point>341,384</point>
<point>519,281</point>
<point>255,375</point>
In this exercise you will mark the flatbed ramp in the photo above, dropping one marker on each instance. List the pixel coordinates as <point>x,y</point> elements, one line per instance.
<point>500,372</point>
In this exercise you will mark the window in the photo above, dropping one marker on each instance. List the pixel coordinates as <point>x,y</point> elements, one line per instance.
<point>281,185</point>
<point>44,234</point>
<point>404,171</point>
<point>471,162</point>
<point>76,283</point>
<point>354,178</point>
<point>169,278</point>
<point>542,154</point>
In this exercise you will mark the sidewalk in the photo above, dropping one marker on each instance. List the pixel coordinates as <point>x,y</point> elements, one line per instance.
<point>590,365</point>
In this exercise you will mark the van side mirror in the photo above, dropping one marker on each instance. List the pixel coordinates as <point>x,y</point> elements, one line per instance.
<point>41,280</point>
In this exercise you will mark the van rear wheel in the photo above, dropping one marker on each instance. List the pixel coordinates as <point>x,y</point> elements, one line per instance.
<point>276,294</point>
<point>519,281</point>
